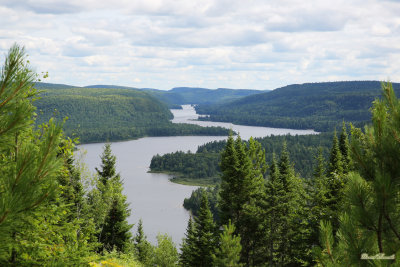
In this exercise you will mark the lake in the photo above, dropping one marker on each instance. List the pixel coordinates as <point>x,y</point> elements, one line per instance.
<point>152,197</point>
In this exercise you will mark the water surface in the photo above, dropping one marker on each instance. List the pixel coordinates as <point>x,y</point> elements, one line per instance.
<point>152,197</point>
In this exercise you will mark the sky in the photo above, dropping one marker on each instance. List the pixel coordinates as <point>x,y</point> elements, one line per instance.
<point>251,44</point>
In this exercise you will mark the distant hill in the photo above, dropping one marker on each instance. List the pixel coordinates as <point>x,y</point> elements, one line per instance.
<point>175,97</point>
<point>110,86</point>
<point>193,95</point>
<point>41,85</point>
<point>99,114</point>
<point>319,106</point>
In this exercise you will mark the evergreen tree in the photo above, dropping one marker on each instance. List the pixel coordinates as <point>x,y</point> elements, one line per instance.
<point>319,195</point>
<point>243,168</point>
<point>370,220</point>
<point>115,230</point>
<point>205,239</point>
<point>345,150</point>
<point>108,161</point>
<point>336,182</point>
<point>335,167</point>
<point>227,254</point>
<point>229,180</point>
<point>28,158</point>
<point>188,249</point>
<point>143,249</point>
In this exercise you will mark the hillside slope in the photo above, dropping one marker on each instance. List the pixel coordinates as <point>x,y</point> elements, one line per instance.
<point>319,106</point>
<point>98,115</point>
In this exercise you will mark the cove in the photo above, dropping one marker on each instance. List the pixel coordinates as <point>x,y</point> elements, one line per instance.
<point>152,197</point>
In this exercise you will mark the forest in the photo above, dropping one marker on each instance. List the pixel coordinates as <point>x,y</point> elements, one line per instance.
<point>202,167</point>
<point>318,106</point>
<point>104,114</point>
<point>345,214</point>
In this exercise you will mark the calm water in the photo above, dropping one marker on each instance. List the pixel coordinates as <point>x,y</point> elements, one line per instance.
<point>152,197</point>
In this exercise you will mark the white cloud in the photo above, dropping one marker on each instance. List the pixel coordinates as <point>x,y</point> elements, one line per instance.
<point>210,43</point>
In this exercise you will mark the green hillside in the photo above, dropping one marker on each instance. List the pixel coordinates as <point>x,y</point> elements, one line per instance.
<point>319,106</point>
<point>97,115</point>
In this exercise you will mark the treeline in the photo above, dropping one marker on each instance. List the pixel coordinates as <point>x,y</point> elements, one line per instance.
<point>345,215</point>
<point>98,115</point>
<point>202,167</point>
<point>318,106</point>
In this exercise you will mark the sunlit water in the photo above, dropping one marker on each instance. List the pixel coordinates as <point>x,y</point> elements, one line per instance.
<point>152,197</point>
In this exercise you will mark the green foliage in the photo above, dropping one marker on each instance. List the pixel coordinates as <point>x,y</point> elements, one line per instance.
<point>319,106</point>
<point>165,254</point>
<point>108,160</point>
<point>193,203</point>
<point>205,235</point>
<point>28,158</point>
<point>227,254</point>
<point>104,114</point>
<point>114,230</point>
<point>370,220</point>
<point>202,167</point>
<point>188,248</point>
<point>143,249</point>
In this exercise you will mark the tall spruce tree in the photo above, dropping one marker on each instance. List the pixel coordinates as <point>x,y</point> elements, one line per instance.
<point>319,197</point>
<point>108,161</point>
<point>243,168</point>
<point>344,147</point>
<point>188,248</point>
<point>295,228</point>
<point>336,182</point>
<point>114,232</point>
<point>229,179</point>
<point>205,235</point>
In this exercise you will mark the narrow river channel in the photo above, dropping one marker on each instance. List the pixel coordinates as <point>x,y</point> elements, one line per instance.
<point>152,197</point>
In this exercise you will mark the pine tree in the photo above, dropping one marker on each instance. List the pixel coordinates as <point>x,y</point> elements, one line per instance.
<point>227,254</point>
<point>188,248</point>
<point>370,220</point>
<point>143,249</point>
<point>205,235</point>
<point>28,158</point>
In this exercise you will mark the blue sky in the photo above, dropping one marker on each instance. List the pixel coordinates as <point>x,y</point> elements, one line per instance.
<point>258,44</point>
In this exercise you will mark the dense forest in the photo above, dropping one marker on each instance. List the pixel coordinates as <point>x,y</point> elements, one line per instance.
<point>346,214</point>
<point>318,106</point>
<point>202,167</point>
<point>98,115</point>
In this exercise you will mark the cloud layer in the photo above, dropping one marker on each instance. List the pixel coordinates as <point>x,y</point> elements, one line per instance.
<point>209,43</point>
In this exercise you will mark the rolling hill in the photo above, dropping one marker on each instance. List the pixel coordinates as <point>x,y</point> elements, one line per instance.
<point>319,106</point>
